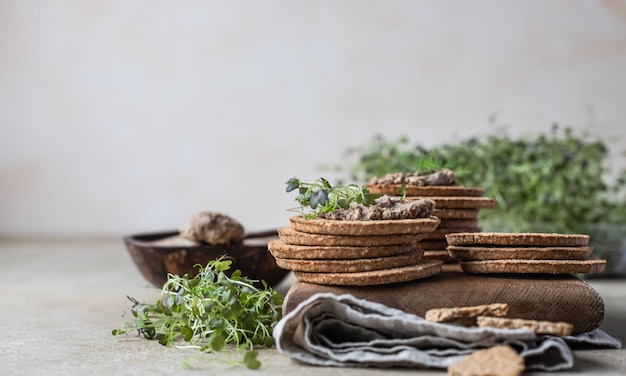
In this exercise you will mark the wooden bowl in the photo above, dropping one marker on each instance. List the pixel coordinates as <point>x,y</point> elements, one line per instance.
<point>251,256</point>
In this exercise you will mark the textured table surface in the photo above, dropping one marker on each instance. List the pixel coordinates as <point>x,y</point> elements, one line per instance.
<point>60,300</point>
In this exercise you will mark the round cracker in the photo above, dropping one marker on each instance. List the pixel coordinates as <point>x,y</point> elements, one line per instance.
<point>441,233</point>
<point>457,223</point>
<point>423,269</point>
<point>291,236</point>
<point>437,244</point>
<point>534,266</point>
<point>350,266</point>
<point>280,249</point>
<point>425,190</point>
<point>516,239</point>
<point>456,213</point>
<point>440,254</point>
<point>361,228</point>
<point>466,253</point>
<point>461,202</point>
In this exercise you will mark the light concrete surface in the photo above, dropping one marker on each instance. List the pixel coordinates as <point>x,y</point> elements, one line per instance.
<point>60,300</point>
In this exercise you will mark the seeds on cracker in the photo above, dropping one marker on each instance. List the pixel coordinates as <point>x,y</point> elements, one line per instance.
<point>560,329</point>
<point>455,313</point>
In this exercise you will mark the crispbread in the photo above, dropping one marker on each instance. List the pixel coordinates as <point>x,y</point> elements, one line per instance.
<point>458,223</point>
<point>456,213</point>
<point>534,266</point>
<point>291,236</point>
<point>501,360</point>
<point>455,313</point>
<point>435,254</point>
<point>362,228</point>
<point>560,329</point>
<point>438,244</point>
<point>468,253</point>
<point>350,266</point>
<point>458,202</point>
<point>280,249</point>
<point>425,191</point>
<point>516,239</point>
<point>423,269</point>
<point>441,233</point>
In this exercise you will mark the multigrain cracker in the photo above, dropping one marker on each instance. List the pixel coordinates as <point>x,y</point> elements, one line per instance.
<point>518,239</point>
<point>280,249</point>
<point>441,233</point>
<point>434,254</point>
<point>499,360</point>
<point>425,191</point>
<point>363,228</point>
<point>455,313</point>
<point>423,269</point>
<point>534,266</point>
<point>456,213</point>
<point>291,236</point>
<point>436,244</point>
<point>457,223</point>
<point>452,202</point>
<point>560,329</point>
<point>350,266</point>
<point>469,253</point>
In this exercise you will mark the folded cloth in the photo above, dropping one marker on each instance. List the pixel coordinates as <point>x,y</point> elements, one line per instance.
<point>341,330</point>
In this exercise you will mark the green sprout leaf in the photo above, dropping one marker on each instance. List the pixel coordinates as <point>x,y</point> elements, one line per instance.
<point>212,310</point>
<point>319,196</point>
<point>250,360</point>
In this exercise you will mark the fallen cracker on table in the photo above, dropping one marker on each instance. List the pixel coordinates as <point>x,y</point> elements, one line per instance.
<point>560,329</point>
<point>500,360</point>
<point>455,313</point>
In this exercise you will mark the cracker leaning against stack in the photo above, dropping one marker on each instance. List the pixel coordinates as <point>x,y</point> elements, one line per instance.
<point>456,206</point>
<point>360,244</point>
<point>523,253</point>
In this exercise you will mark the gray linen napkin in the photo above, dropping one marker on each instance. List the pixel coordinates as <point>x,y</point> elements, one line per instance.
<point>341,330</point>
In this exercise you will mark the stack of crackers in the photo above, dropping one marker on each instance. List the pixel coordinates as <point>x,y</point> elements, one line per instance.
<point>456,206</point>
<point>523,253</point>
<point>354,252</point>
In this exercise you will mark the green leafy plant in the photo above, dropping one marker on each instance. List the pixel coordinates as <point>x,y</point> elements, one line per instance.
<point>319,196</point>
<point>556,182</point>
<point>210,310</point>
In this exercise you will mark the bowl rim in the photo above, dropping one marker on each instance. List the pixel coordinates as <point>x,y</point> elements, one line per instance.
<point>146,238</point>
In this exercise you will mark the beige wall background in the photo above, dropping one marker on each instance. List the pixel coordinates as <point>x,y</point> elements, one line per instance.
<point>119,117</point>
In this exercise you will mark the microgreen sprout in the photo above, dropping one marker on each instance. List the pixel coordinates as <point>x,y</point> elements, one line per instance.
<point>319,196</point>
<point>211,310</point>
